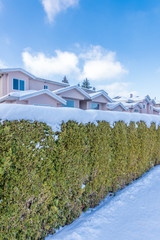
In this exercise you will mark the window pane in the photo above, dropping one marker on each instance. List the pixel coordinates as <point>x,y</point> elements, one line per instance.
<point>21,85</point>
<point>15,84</point>
<point>45,87</point>
<point>94,106</point>
<point>70,103</point>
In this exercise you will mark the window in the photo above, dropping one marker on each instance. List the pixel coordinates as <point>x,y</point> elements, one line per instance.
<point>18,84</point>
<point>144,106</point>
<point>95,106</point>
<point>136,110</point>
<point>70,103</point>
<point>45,87</point>
<point>150,107</point>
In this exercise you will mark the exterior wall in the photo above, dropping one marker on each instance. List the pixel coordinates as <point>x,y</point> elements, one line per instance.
<point>1,92</point>
<point>72,94</point>
<point>104,106</point>
<point>136,108</point>
<point>17,75</point>
<point>100,99</point>
<point>150,108</point>
<point>83,105</point>
<point>144,110</point>
<point>39,85</point>
<point>43,99</point>
<point>21,102</point>
<point>157,105</point>
<point>155,112</point>
<point>6,83</point>
<point>118,108</point>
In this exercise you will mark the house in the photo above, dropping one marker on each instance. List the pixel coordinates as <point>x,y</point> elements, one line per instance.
<point>156,110</point>
<point>133,107</point>
<point>20,87</point>
<point>74,96</point>
<point>117,106</point>
<point>42,97</point>
<point>99,100</point>
<point>147,104</point>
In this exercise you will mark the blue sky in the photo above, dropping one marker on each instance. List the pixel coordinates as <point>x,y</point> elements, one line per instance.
<point>114,43</point>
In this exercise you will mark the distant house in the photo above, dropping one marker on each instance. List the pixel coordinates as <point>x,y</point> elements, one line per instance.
<point>114,106</point>
<point>133,107</point>
<point>21,87</point>
<point>138,104</point>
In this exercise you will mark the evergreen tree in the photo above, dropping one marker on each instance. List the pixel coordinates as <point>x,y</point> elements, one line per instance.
<point>86,84</point>
<point>65,80</point>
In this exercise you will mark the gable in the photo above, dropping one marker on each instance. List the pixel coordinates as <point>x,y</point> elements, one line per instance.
<point>73,93</point>
<point>118,108</point>
<point>100,99</point>
<point>43,99</point>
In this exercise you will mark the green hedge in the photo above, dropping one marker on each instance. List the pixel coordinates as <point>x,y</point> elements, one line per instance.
<point>41,172</point>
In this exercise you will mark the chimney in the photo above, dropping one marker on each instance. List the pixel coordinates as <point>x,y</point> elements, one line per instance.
<point>131,95</point>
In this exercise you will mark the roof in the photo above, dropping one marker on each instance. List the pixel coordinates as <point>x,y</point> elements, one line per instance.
<point>134,99</point>
<point>31,93</point>
<point>133,105</point>
<point>113,105</point>
<point>101,93</point>
<point>61,90</point>
<point>7,70</point>
<point>88,90</point>
<point>157,109</point>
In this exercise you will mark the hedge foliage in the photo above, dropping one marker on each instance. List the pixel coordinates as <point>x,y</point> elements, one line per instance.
<point>42,172</point>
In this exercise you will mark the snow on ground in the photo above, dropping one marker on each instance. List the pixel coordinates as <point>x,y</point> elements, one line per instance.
<point>133,214</point>
<point>54,116</point>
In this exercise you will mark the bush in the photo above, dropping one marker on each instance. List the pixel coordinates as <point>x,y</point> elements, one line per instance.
<point>41,178</point>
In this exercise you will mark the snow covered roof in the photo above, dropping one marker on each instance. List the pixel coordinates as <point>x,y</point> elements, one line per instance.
<point>7,70</point>
<point>61,90</point>
<point>133,105</point>
<point>113,105</point>
<point>88,90</point>
<point>101,93</point>
<point>22,95</point>
<point>157,109</point>
<point>133,99</point>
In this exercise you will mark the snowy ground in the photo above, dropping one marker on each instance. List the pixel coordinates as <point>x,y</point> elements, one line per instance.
<point>133,214</point>
<point>54,116</point>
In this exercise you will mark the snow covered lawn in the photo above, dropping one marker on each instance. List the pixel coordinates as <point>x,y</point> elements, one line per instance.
<point>133,214</point>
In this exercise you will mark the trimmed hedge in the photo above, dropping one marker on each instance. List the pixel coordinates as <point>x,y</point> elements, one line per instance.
<point>41,172</point>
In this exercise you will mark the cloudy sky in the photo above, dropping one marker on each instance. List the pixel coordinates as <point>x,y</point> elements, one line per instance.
<point>113,43</point>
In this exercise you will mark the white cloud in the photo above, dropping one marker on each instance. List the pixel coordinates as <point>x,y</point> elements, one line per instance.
<point>117,89</point>
<point>2,64</point>
<point>63,63</point>
<point>100,65</point>
<point>97,64</point>
<point>53,7</point>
